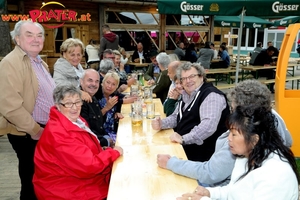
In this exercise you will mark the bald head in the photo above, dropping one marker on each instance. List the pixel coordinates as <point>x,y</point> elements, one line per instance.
<point>172,67</point>
<point>90,81</point>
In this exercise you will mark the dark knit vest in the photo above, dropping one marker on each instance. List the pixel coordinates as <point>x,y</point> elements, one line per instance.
<point>190,118</point>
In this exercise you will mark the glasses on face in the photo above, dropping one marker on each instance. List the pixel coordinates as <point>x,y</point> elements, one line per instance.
<point>190,77</point>
<point>70,104</point>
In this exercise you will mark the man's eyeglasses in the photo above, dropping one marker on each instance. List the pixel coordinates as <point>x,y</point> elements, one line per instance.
<point>190,77</point>
<point>70,104</point>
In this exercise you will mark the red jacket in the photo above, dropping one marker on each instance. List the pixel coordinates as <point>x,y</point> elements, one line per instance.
<point>70,163</point>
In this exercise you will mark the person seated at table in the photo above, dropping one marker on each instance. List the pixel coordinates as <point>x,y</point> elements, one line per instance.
<point>153,68</point>
<point>119,67</point>
<point>190,53</point>
<point>199,118</point>
<point>217,170</point>
<point>264,169</point>
<point>67,69</point>
<point>179,51</point>
<point>140,53</point>
<point>110,103</point>
<point>92,55</point>
<point>91,111</point>
<point>225,59</point>
<point>265,58</point>
<point>212,46</point>
<point>163,82</point>
<point>174,97</point>
<point>124,59</point>
<point>124,82</point>
<point>206,54</point>
<point>69,160</point>
<point>255,52</point>
<point>107,65</point>
<point>173,57</point>
<point>276,51</point>
<point>172,70</point>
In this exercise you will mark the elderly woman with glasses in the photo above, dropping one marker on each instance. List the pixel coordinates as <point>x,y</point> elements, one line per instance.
<point>69,160</point>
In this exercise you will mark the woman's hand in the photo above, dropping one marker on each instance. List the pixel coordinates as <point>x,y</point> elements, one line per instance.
<point>119,116</point>
<point>197,195</point>
<point>86,97</point>
<point>122,67</point>
<point>151,82</point>
<point>131,81</point>
<point>122,88</point>
<point>173,94</point>
<point>119,149</point>
<point>162,160</point>
<point>111,102</point>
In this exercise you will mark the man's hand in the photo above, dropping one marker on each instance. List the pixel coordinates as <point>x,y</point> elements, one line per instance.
<point>175,137</point>
<point>162,160</point>
<point>86,97</point>
<point>38,135</point>
<point>156,123</point>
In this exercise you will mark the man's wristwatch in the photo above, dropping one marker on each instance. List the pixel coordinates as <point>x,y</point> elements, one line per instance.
<point>182,141</point>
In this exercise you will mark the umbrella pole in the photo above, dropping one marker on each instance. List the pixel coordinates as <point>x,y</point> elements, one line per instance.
<point>239,46</point>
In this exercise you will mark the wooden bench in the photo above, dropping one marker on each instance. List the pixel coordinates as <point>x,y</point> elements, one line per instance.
<point>225,86</point>
<point>289,78</point>
<point>240,77</point>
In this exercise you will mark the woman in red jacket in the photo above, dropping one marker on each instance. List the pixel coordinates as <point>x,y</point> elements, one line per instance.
<point>69,161</point>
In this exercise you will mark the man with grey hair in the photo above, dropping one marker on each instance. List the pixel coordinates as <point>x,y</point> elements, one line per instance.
<point>162,83</point>
<point>90,111</point>
<point>26,97</point>
<point>217,170</point>
<point>199,118</point>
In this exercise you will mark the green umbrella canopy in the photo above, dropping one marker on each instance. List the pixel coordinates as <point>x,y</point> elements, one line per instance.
<point>286,21</point>
<point>234,21</point>
<point>230,7</point>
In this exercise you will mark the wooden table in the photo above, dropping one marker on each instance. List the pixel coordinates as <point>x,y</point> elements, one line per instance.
<point>290,69</point>
<point>218,71</point>
<point>138,65</point>
<point>136,175</point>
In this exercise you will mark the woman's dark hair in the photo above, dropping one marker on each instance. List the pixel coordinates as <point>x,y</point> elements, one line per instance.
<point>251,120</point>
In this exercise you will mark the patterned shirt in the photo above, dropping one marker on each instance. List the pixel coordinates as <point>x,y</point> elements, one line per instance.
<point>44,100</point>
<point>210,113</point>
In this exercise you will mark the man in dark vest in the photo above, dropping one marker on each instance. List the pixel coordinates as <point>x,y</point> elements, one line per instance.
<point>199,118</point>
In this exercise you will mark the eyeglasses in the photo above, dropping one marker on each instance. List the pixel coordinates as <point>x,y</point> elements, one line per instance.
<point>70,104</point>
<point>190,77</point>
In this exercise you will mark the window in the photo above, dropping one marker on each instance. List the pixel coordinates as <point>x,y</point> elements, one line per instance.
<point>61,34</point>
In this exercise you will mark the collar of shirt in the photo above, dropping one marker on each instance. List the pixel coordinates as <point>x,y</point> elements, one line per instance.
<point>188,98</point>
<point>37,59</point>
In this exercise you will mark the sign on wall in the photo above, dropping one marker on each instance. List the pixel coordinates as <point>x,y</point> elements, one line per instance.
<point>53,13</point>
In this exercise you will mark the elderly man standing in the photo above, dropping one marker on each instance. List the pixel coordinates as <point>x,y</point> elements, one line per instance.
<point>199,118</point>
<point>91,111</point>
<point>26,98</point>
<point>109,40</point>
<point>162,83</point>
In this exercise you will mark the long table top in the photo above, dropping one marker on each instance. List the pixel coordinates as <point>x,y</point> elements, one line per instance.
<point>136,175</point>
